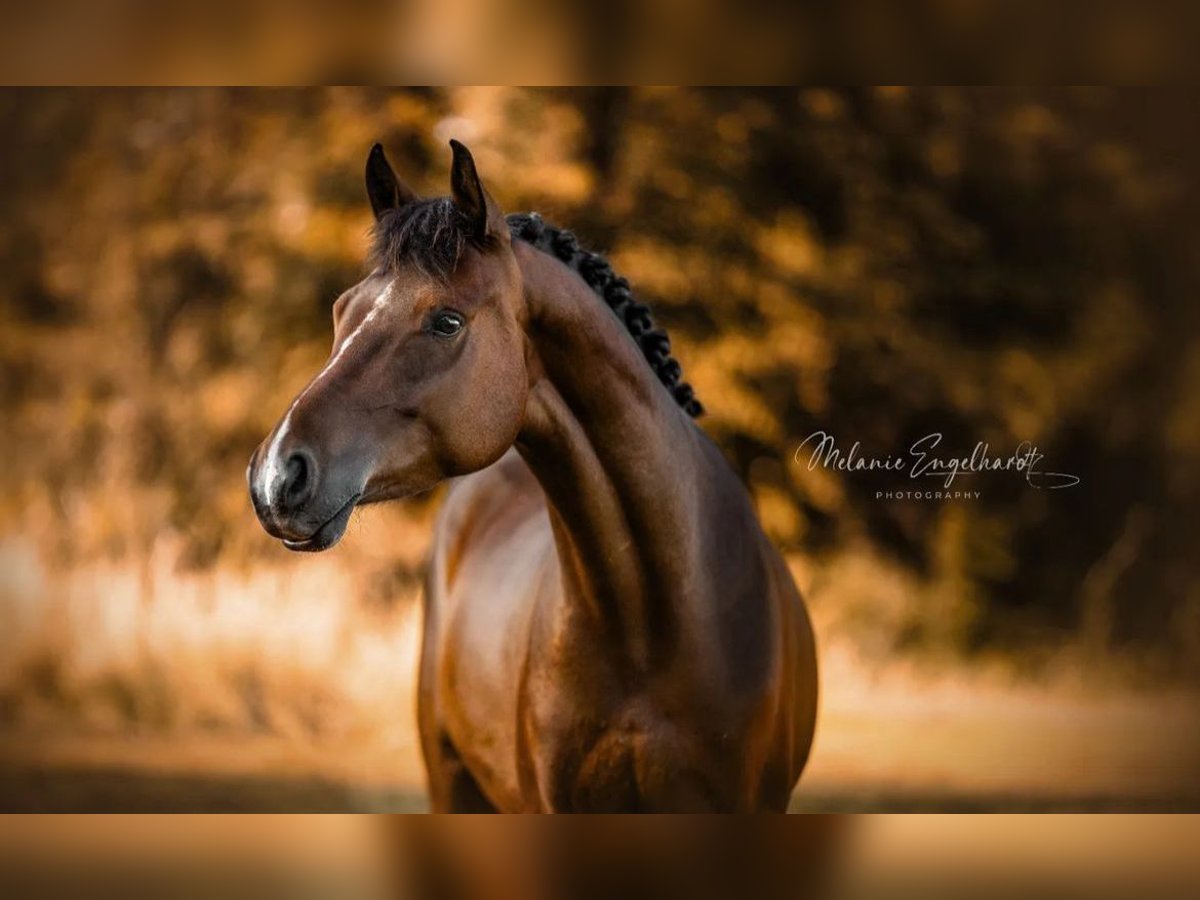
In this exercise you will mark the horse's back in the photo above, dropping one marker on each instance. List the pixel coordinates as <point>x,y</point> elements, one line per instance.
<point>800,686</point>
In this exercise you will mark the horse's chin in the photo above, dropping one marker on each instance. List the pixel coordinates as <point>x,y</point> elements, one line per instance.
<point>328,534</point>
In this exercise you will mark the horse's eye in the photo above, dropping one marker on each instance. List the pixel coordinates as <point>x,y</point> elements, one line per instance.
<point>447,323</point>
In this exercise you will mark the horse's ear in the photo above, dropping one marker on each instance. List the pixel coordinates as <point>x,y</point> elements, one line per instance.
<point>384,189</point>
<point>470,198</point>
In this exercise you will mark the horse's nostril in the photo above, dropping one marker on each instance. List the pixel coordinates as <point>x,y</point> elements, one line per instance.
<point>299,476</point>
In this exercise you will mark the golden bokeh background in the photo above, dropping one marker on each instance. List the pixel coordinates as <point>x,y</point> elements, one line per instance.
<point>997,265</point>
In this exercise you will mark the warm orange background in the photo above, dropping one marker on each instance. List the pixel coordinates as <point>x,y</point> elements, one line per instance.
<point>998,265</point>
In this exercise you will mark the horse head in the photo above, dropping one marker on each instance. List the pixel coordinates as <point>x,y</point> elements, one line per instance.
<point>427,375</point>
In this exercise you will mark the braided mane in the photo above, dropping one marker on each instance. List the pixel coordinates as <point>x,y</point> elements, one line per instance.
<point>432,233</point>
<point>597,272</point>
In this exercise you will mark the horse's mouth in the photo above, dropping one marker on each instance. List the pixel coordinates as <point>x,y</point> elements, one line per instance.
<point>329,533</point>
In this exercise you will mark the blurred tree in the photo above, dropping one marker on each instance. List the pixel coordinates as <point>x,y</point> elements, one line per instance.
<point>994,265</point>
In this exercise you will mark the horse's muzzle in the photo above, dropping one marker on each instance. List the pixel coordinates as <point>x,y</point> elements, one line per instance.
<point>288,501</point>
<point>328,534</point>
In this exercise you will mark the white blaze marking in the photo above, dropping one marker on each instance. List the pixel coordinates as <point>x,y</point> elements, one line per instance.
<point>272,470</point>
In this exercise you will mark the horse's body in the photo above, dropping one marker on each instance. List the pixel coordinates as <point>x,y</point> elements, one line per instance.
<point>524,704</point>
<point>677,676</point>
<point>606,626</point>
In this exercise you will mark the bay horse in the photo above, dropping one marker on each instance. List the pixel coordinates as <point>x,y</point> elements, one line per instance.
<point>606,627</point>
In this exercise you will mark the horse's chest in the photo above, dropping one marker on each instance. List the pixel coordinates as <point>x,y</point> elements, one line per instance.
<point>624,757</point>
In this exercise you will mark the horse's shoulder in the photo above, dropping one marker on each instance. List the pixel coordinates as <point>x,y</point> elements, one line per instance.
<point>485,509</point>
<point>489,491</point>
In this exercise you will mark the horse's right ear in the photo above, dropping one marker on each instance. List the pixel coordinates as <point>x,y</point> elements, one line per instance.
<point>384,189</point>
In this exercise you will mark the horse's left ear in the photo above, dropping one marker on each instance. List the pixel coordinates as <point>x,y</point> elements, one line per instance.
<point>385,191</point>
<point>469,196</point>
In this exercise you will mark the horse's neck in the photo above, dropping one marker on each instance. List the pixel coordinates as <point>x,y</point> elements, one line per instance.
<point>617,458</point>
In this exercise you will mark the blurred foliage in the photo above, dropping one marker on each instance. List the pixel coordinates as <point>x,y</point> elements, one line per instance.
<point>995,265</point>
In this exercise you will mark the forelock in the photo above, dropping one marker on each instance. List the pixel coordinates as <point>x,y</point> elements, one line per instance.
<point>427,234</point>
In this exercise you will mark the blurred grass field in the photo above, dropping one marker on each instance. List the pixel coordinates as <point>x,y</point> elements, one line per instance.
<point>372,858</point>
<point>278,689</point>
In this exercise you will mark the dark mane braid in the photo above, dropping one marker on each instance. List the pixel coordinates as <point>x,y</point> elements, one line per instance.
<point>614,290</point>
<point>431,234</point>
